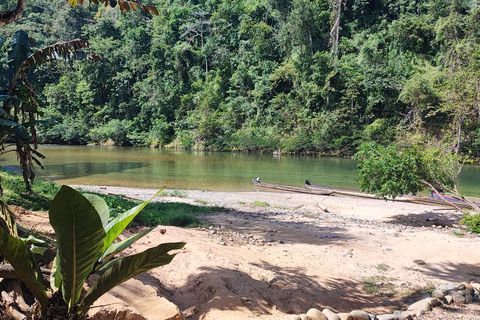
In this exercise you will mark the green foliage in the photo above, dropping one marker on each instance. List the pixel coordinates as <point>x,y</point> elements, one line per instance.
<point>472,221</point>
<point>22,260</point>
<point>393,170</point>
<point>390,171</point>
<point>14,192</point>
<point>174,214</point>
<point>84,245</point>
<point>261,76</point>
<point>260,204</point>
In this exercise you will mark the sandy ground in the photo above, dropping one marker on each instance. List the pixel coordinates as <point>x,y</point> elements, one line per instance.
<point>286,255</point>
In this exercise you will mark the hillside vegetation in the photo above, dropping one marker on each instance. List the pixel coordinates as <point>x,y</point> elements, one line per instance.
<point>289,76</point>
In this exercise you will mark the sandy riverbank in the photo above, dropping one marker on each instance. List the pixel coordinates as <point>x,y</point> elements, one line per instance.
<point>268,262</point>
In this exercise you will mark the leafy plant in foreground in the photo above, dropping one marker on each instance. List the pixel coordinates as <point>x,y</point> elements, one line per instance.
<point>85,237</point>
<point>85,234</point>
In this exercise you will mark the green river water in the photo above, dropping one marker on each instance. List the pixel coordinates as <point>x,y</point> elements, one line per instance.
<point>216,171</point>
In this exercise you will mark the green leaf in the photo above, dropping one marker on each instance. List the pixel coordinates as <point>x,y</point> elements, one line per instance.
<point>117,225</point>
<point>21,260</point>
<point>120,246</point>
<point>80,237</point>
<point>32,239</point>
<point>55,277</point>
<point>38,250</point>
<point>125,268</point>
<point>100,205</point>
<point>19,51</point>
<point>10,123</point>
<point>9,220</point>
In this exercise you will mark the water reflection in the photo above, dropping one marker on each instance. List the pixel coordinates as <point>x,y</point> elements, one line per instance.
<point>180,169</point>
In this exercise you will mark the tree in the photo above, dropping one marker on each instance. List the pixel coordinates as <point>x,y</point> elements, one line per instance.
<point>10,16</point>
<point>393,170</point>
<point>21,107</point>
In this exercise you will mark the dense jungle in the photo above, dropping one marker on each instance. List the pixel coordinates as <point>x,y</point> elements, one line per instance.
<point>287,76</point>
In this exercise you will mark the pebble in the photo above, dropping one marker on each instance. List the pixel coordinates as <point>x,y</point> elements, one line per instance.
<point>438,294</point>
<point>359,315</point>
<point>330,314</point>
<point>316,314</point>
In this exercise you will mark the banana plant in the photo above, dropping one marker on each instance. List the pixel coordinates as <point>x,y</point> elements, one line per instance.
<point>85,237</point>
<point>14,250</point>
<point>21,106</point>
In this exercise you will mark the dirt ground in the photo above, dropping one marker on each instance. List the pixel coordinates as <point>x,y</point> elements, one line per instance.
<point>271,255</point>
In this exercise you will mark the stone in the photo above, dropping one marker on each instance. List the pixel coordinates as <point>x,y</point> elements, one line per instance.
<point>448,299</point>
<point>425,295</point>
<point>468,298</point>
<point>433,302</point>
<point>457,296</point>
<point>406,315</point>
<point>420,305</point>
<point>387,317</point>
<point>345,316</point>
<point>316,314</point>
<point>419,313</point>
<point>438,294</point>
<point>461,286</point>
<point>330,314</point>
<point>359,315</point>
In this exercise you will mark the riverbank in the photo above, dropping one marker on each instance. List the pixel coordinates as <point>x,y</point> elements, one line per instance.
<point>274,254</point>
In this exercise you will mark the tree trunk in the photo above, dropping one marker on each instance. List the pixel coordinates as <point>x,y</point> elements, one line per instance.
<point>7,17</point>
<point>459,135</point>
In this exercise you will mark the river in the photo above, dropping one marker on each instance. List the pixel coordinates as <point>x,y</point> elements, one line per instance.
<point>182,169</point>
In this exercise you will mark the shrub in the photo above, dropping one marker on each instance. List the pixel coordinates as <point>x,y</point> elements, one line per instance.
<point>472,221</point>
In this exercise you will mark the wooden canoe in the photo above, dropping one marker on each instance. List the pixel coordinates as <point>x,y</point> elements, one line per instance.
<point>323,190</point>
<point>318,191</point>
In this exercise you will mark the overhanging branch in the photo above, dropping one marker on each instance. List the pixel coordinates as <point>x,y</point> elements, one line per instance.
<point>7,17</point>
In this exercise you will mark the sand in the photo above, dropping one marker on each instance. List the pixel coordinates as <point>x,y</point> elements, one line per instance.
<point>271,255</point>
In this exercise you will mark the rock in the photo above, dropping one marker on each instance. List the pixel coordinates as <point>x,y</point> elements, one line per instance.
<point>425,295</point>
<point>387,317</point>
<point>461,286</point>
<point>330,314</point>
<point>420,305</point>
<point>438,294</point>
<point>457,296</point>
<point>468,286</point>
<point>419,313</point>
<point>406,315</point>
<point>316,314</point>
<point>433,302</point>
<point>359,315</point>
<point>448,299</point>
<point>387,302</point>
<point>468,298</point>
<point>345,316</point>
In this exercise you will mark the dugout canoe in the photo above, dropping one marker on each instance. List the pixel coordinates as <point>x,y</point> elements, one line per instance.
<point>318,191</point>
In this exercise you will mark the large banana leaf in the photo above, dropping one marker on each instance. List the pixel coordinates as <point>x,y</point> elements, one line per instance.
<point>80,235</point>
<point>100,205</point>
<point>117,225</point>
<point>125,268</point>
<point>9,221</point>
<point>19,51</point>
<point>119,247</point>
<point>24,264</point>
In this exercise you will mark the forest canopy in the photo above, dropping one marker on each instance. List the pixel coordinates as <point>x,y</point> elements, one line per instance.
<point>288,76</point>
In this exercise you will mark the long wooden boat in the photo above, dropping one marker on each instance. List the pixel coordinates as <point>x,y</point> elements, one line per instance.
<point>433,200</point>
<point>329,191</point>
<point>318,191</point>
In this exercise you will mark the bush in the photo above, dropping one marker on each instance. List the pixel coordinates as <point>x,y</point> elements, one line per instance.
<point>115,131</point>
<point>472,221</point>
